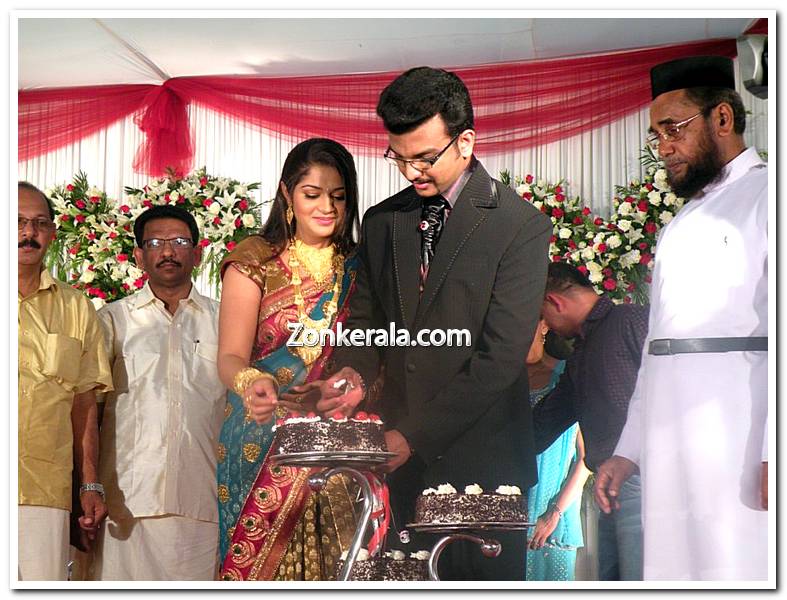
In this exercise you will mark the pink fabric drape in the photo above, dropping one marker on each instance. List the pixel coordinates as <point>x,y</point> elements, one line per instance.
<point>517,105</point>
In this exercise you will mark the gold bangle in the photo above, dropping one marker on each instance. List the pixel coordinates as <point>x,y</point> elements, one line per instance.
<point>245,377</point>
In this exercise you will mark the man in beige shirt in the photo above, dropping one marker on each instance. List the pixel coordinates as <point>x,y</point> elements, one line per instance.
<point>160,427</point>
<point>62,362</point>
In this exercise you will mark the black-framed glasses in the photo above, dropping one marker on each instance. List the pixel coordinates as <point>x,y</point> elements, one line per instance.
<point>671,133</point>
<point>419,164</point>
<point>39,223</point>
<point>177,243</point>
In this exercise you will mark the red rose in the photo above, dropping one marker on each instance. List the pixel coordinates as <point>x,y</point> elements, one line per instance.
<point>124,208</point>
<point>204,243</point>
<point>602,247</point>
<point>529,179</point>
<point>203,181</point>
<point>642,205</point>
<point>70,187</point>
<point>557,213</point>
<point>113,235</point>
<point>553,239</point>
<point>609,284</point>
<point>74,276</point>
<point>231,246</point>
<point>101,294</point>
<point>243,205</point>
<point>527,196</point>
<point>180,200</point>
<point>80,204</point>
<point>139,283</point>
<point>627,300</point>
<point>558,189</point>
<point>628,199</point>
<point>124,286</point>
<point>238,222</point>
<point>650,227</point>
<point>643,245</point>
<point>65,218</point>
<point>91,236</point>
<point>607,272</point>
<point>556,258</point>
<point>127,227</point>
<point>572,244</point>
<point>122,257</point>
<point>577,220</point>
<point>649,187</point>
<point>559,197</point>
<point>147,204</point>
<point>598,221</point>
<point>217,220</point>
<point>207,202</point>
<point>586,211</point>
<point>80,218</point>
<point>611,226</point>
<point>95,199</point>
<point>630,287</point>
<point>582,269</point>
<point>645,259</point>
<point>73,250</point>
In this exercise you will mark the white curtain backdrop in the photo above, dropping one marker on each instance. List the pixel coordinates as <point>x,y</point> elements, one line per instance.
<point>592,164</point>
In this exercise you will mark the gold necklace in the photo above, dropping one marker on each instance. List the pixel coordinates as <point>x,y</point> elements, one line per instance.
<point>309,354</point>
<point>318,262</point>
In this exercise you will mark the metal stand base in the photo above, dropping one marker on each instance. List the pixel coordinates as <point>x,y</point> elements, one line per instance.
<point>489,548</point>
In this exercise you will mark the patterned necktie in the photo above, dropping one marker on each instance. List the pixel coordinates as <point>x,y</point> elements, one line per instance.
<point>432,218</point>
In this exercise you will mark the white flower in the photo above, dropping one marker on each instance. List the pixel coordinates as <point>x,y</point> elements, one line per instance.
<point>665,216</point>
<point>613,241</point>
<point>582,245</point>
<point>474,489</point>
<point>554,220</point>
<point>593,267</point>
<point>240,190</point>
<point>538,204</point>
<point>630,258</point>
<point>624,224</point>
<point>521,190</point>
<point>660,180</point>
<point>595,277</point>
<point>363,554</point>
<point>508,490</point>
<point>97,302</point>
<point>446,488</point>
<point>541,183</point>
<point>669,199</point>
<point>421,555</point>
<point>679,203</point>
<point>564,233</point>
<point>134,272</point>
<point>397,555</point>
<point>214,208</point>
<point>634,235</point>
<point>624,208</point>
<point>575,256</point>
<point>174,195</point>
<point>248,220</point>
<point>588,253</point>
<point>654,198</point>
<point>87,276</point>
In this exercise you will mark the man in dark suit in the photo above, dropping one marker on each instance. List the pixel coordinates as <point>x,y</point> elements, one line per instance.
<point>455,250</point>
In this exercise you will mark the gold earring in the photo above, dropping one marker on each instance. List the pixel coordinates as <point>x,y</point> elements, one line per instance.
<point>290,215</point>
<point>543,338</point>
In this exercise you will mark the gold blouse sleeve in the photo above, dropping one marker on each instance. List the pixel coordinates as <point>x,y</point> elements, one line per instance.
<point>250,257</point>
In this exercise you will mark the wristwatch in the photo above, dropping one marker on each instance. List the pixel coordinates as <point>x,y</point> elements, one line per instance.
<point>92,487</point>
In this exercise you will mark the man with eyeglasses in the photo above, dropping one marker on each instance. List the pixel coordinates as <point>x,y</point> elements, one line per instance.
<point>454,250</point>
<point>161,424</point>
<point>62,363</point>
<point>697,421</point>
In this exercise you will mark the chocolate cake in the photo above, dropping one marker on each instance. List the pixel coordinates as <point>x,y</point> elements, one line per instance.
<point>392,566</point>
<point>310,433</point>
<point>446,505</point>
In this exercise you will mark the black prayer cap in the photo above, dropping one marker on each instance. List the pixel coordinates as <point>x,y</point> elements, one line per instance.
<point>695,71</point>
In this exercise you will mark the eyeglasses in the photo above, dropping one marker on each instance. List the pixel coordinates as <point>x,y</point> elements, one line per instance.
<point>38,224</point>
<point>420,164</point>
<point>671,133</point>
<point>178,243</point>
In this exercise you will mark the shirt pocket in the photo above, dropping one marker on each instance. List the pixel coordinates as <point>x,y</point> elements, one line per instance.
<point>62,359</point>
<point>205,371</point>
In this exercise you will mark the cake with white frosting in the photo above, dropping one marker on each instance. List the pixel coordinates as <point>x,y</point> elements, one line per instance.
<point>337,433</point>
<point>393,565</point>
<point>506,504</point>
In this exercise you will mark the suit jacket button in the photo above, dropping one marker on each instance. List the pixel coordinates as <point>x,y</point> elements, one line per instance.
<point>410,367</point>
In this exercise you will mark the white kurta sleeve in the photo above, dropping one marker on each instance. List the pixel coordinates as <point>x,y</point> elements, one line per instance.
<point>765,442</point>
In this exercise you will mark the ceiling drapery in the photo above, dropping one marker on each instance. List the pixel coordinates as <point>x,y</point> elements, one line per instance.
<point>517,105</point>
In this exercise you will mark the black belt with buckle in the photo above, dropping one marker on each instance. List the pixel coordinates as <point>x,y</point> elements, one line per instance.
<point>719,344</point>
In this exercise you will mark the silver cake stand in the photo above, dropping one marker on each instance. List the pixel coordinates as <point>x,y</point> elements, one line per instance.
<point>335,463</point>
<point>490,548</point>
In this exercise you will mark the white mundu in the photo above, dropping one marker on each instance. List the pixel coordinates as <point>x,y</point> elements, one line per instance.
<point>697,422</point>
<point>159,440</point>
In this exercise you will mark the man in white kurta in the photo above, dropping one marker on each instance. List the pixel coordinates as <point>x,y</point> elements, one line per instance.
<point>160,427</point>
<point>697,420</point>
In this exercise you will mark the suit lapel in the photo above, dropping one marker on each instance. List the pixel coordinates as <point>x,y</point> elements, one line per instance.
<point>407,256</point>
<point>462,222</point>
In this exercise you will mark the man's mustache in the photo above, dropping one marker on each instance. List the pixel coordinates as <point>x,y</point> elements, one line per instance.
<point>30,243</point>
<point>168,261</point>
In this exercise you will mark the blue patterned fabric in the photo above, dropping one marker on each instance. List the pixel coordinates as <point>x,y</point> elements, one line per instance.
<point>555,561</point>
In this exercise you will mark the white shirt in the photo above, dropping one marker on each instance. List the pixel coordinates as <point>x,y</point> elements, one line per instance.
<point>697,422</point>
<point>160,429</point>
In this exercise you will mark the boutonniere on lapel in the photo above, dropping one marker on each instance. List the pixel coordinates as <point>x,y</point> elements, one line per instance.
<point>423,225</point>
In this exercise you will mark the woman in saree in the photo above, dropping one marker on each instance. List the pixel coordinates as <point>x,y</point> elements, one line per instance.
<point>300,268</point>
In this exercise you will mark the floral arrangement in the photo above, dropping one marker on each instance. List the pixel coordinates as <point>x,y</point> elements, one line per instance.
<point>616,254</point>
<point>95,237</point>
